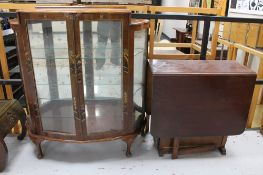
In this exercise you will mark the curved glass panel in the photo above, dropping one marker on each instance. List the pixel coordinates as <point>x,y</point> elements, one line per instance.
<point>140,44</point>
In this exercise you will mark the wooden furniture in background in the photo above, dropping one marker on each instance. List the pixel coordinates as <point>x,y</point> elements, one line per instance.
<point>253,119</point>
<point>257,90</point>
<point>183,36</point>
<point>4,66</point>
<point>10,112</point>
<point>249,35</point>
<point>10,70</point>
<point>207,100</point>
<point>159,30</point>
<point>221,52</point>
<point>220,10</point>
<point>10,67</point>
<point>32,6</point>
<point>75,93</point>
<point>118,1</point>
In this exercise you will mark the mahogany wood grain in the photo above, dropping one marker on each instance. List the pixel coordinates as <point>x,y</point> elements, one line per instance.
<point>197,103</point>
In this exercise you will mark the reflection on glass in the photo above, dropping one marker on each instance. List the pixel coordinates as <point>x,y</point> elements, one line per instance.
<point>101,48</point>
<point>49,49</point>
<point>139,69</point>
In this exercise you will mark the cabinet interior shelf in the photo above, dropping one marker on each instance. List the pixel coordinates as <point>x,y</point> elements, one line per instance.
<point>101,115</point>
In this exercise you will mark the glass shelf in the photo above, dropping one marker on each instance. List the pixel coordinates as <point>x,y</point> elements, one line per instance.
<point>57,115</point>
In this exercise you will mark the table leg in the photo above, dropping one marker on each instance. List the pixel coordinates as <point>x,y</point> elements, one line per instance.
<point>22,118</point>
<point>222,148</point>
<point>129,141</point>
<point>39,151</point>
<point>175,148</point>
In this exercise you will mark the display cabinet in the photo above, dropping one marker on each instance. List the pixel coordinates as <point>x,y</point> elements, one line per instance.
<point>83,71</point>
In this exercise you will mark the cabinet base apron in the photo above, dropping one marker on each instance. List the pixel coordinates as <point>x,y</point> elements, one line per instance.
<point>182,146</point>
<point>38,139</point>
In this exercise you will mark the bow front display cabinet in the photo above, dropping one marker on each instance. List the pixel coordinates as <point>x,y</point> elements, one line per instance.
<point>83,72</point>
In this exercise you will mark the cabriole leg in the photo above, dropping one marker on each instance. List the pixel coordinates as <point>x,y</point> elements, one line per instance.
<point>39,151</point>
<point>159,148</point>
<point>129,141</point>
<point>22,119</point>
<point>175,148</point>
<point>222,150</point>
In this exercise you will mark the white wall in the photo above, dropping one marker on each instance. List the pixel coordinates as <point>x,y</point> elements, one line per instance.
<point>170,24</point>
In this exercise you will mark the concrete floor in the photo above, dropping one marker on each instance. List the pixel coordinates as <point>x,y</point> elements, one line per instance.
<point>244,157</point>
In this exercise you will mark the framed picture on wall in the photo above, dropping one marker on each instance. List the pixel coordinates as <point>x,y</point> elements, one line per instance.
<point>246,6</point>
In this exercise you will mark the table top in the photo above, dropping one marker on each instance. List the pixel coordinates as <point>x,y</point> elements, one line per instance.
<point>197,67</point>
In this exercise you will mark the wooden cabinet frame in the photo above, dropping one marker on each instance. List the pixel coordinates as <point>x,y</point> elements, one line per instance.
<point>72,17</point>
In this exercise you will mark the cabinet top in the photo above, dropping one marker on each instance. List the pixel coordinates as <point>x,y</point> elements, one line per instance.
<point>75,9</point>
<point>198,67</point>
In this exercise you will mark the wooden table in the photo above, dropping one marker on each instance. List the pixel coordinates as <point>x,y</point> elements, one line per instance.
<point>196,104</point>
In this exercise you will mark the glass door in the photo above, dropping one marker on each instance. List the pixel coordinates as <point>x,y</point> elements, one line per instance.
<point>101,48</point>
<point>105,74</point>
<point>49,51</point>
